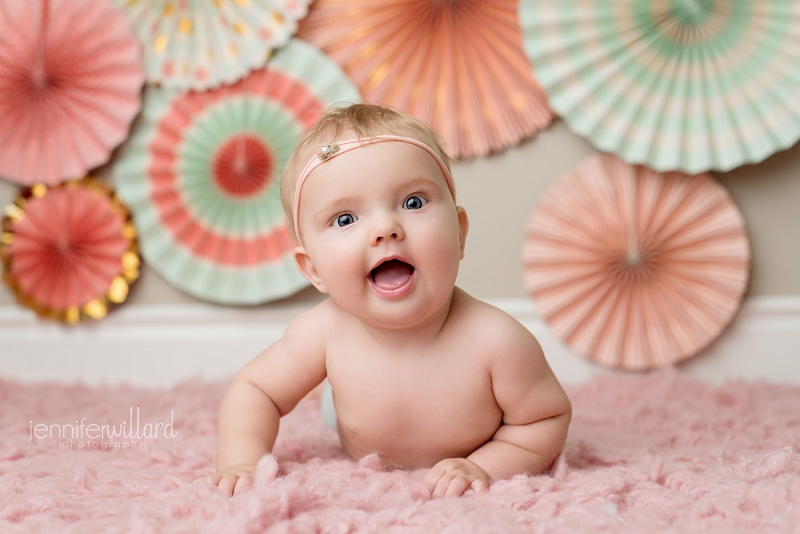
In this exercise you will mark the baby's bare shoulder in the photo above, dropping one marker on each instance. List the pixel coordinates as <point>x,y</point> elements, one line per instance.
<point>494,330</point>
<point>313,327</point>
<point>292,366</point>
<point>524,386</point>
<point>316,319</point>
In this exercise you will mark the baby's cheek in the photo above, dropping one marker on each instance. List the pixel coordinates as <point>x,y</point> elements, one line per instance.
<point>448,261</point>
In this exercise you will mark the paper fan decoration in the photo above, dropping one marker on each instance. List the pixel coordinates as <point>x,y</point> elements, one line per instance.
<point>687,85</point>
<point>201,44</point>
<point>70,84</point>
<point>633,268</point>
<point>202,176</point>
<point>457,66</point>
<point>69,252</point>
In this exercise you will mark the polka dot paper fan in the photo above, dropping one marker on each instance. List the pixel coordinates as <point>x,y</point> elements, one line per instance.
<point>202,176</point>
<point>201,44</point>
<point>633,268</point>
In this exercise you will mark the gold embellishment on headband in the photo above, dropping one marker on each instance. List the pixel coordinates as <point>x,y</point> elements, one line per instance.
<point>327,151</point>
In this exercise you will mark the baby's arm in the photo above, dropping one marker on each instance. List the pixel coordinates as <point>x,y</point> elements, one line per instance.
<point>536,416</point>
<point>536,411</point>
<point>264,390</point>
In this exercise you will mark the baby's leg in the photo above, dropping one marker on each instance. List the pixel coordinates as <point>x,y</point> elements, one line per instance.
<point>326,406</point>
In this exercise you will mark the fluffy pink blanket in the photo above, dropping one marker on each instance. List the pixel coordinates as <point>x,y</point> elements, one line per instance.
<point>660,452</point>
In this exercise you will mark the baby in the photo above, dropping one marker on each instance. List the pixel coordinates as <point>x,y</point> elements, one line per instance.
<point>421,373</point>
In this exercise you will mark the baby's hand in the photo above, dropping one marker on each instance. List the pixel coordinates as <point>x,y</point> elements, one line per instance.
<point>453,476</point>
<point>232,481</point>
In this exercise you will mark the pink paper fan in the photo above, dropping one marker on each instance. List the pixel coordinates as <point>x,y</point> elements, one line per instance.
<point>457,66</point>
<point>634,268</point>
<point>69,249</point>
<point>70,82</point>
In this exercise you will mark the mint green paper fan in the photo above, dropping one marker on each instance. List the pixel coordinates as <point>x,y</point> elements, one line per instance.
<point>201,174</point>
<point>689,85</point>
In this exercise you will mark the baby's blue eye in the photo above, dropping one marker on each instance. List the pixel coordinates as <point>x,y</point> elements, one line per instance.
<point>414,203</point>
<point>344,219</point>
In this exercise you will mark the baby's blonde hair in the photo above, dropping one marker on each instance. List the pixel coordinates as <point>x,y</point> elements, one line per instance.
<point>353,120</point>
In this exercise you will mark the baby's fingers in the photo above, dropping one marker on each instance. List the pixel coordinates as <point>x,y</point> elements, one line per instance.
<point>457,487</point>
<point>449,485</point>
<point>453,476</point>
<point>480,485</point>
<point>233,485</point>
<point>242,484</point>
<point>227,484</point>
<point>433,478</point>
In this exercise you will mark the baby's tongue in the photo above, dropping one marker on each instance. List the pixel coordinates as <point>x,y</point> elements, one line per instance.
<point>391,274</point>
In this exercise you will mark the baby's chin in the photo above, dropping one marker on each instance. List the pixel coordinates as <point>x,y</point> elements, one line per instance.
<point>404,314</point>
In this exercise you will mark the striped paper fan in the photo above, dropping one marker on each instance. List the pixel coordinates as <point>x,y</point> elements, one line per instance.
<point>200,44</point>
<point>202,176</point>
<point>457,66</point>
<point>688,85</point>
<point>634,268</point>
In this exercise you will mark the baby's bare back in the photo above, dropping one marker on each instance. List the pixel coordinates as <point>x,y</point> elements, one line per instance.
<point>416,405</point>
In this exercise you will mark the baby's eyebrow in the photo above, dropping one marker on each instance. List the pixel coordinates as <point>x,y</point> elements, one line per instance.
<point>335,205</point>
<point>420,181</point>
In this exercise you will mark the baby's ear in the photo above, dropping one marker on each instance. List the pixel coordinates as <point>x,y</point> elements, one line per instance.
<point>463,224</point>
<point>307,269</point>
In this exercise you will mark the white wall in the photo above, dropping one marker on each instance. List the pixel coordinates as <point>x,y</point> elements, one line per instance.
<point>162,344</point>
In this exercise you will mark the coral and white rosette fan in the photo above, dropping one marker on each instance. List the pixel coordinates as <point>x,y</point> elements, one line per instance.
<point>70,85</point>
<point>457,66</point>
<point>633,268</point>
<point>70,251</point>
<point>202,176</point>
<point>201,44</point>
<point>689,85</point>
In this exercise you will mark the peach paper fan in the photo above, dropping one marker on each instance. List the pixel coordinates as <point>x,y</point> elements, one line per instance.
<point>457,66</point>
<point>69,251</point>
<point>634,268</point>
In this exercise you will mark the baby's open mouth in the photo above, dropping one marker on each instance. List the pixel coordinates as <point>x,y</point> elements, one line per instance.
<point>391,274</point>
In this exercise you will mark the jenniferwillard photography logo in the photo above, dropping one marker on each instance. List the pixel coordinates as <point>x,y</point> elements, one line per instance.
<point>128,434</point>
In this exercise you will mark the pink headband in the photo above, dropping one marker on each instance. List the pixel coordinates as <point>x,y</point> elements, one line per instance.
<point>332,150</point>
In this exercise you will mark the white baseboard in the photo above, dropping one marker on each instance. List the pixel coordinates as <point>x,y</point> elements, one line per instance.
<point>160,345</point>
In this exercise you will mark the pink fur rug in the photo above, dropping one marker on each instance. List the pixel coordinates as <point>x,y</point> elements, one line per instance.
<point>660,452</point>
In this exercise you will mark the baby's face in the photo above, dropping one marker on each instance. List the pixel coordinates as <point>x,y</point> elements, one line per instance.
<point>382,234</point>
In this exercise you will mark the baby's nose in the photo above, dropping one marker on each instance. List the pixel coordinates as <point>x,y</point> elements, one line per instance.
<point>380,238</point>
<point>387,229</point>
